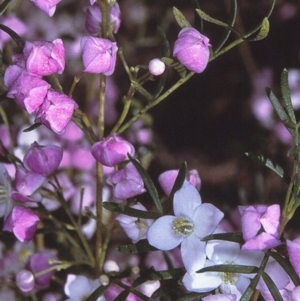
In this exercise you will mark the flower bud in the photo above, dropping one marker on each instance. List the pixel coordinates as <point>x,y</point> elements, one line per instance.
<point>192,49</point>
<point>43,160</point>
<point>98,55</point>
<point>25,281</point>
<point>156,67</point>
<point>112,150</point>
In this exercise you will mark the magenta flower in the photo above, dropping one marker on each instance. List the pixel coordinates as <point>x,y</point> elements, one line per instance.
<point>293,248</point>
<point>112,150</point>
<point>94,18</point>
<point>257,218</point>
<point>47,6</point>
<point>43,160</point>
<point>156,67</point>
<point>22,222</point>
<point>98,55</point>
<point>45,58</point>
<point>126,182</point>
<point>56,111</point>
<point>192,49</point>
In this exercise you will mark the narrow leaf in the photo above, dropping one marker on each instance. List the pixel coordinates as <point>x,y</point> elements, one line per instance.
<point>98,293</point>
<point>166,289</point>
<point>272,287</point>
<point>140,247</point>
<point>263,31</point>
<point>13,35</point>
<point>180,18</point>
<point>286,95</point>
<point>230,268</point>
<point>191,297</point>
<point>3,6</point>
<point>123,296</point>
<point>234,237</point>
<point>148,183</point>
<point>32,127</point>
<point>130,211</point>
<point>250,289</point>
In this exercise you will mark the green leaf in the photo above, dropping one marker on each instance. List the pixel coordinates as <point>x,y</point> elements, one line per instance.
<point>166,288</point>
<point>3,6</point>
<point>191,297</point>
<point>231,21</point>
<point>130,211</point>
<point>286,95</point>
<point>140,247</point>
<point>177,185</point>
<point>32,127</point>
<point>272,287</point>
<point>234,237</point>
<point>263,31</point>
<point>230,268</point>
<point>13,35</point>
<point>287,267</point>
<point>250,289</point>
<point>123,296</point>
<point>148,183</point>
<point>180,18</point>
<point>98,293</point>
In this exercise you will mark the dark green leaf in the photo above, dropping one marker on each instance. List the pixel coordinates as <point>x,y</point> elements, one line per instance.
<point>287,267</point>
<point>130,211</point>
<point>32,127</point>
<point>123,296</point>
<point>230,268</point>
<point>166,288</point>
<point>191,297</point>
<point>180,18</point>
<point>250,289</point>
<point>272,287</point>
<point>177,185</point>
<point>13,35</point>
<point>286,95</point>
<point>3,6</point>
<point>234,237</point>
<point>98,293</point>
<point>148,183</point>
<point>140,247</point>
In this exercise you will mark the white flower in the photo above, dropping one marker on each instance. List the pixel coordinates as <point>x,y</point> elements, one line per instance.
<point>6,202</point>
<point>192,221</point>
<point>224,252</point>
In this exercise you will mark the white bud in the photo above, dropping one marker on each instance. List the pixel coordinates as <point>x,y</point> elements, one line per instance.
<point>156,67</point>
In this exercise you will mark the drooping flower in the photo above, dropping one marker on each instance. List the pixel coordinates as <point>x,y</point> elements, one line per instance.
<point>112,150</point>
<point>192,49</point>
<point>192,221</point>
<point>99,55</point>
<point>47,6</point>
<point>156,67</point>
<point>257,218</point>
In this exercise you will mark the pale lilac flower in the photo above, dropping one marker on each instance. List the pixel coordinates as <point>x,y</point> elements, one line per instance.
<point>6,202</point>
<point>220,297</point>
<point>44,58</point>
<point>296,294</point>
<point>223,252</point>
<point>167,179</point>
<point>79,287</point>
<point>94,18</point>
<point>43,160</point>
<point>47,6</point>
<point>135,228</point>
<point>112,150</point>
<point>22,222</point>
<point>98,55</point>
<point>156,67</point>
<point>192,221</point>
<point>293,248</point>
<point>255,218</point>
<point>126,183</point>
<point>192,49</point>
<point>25,281</point>
<point>56,111</point>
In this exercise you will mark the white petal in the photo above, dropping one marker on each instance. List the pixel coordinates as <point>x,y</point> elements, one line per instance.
<point>161,235</point>
<point>202,282</point>
<point>206,218</point>
<point>186,200</point>
<point>193,253</point>
<point>222,251</point>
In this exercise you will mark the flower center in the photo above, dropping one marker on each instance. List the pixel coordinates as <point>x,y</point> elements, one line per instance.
<point>3,194</point>
<point>182,226</point>
<point>229,278</point>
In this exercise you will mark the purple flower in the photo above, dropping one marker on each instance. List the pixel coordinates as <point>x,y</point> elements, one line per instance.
<point>255,218</point>
<point>156,67</point>
<point>43,160</point>
<point>192,49</point>
<point>293,248</point>
<point>94,18</point>
<point>47,6</point>
<point>192,221</point>
<point>44,58</point>
<point>112,150</point>
<point>25,281</point>
<point>126,182</point>
<point>22,222</point>
<point>56,111</point>
<point>98,55</point>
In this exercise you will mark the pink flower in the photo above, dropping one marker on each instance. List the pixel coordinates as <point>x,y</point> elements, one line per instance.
<point>98,55</point>
<point>44,58</point>
<point>22,222</point>
<point>156,67</point>
<point>43,160</point>
<point>257,218</point>
<point>25,281</point>
<point>293,248</point>
<point>112,150</point>
<point>56,111</point>
<point>47,6</point>
<point>192,49</point>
